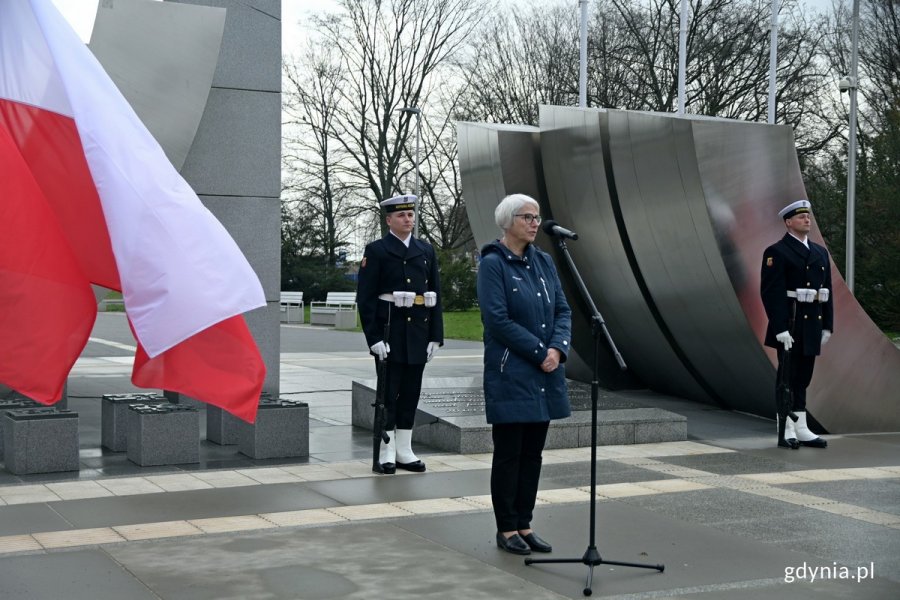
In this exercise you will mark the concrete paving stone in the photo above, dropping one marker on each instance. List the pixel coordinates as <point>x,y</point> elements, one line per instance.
<point>75,490</point>
<point>881,495</point>
<point>270,475</point>
<point>733,463</point>
<point>774,478</point>
<point>621,490</point>
<point>30,518</point>
<point>88,574</point>
<point>26,494</point>
<point>328,562</point>
<point>366,512</point>
<point>871,472</point>
<point>223,479</point>
<point>299,518</point>
<point>354,469</point>
<point>178,482</point>
<point>434,505</point>
<point>483,501</point>
<point>152,531</point>
<point>563,496</point>
<point>673,485</point>
<point>18,543</point>
<point>77,537</point>
<point>127,486</point>
<point>313,472</point>
<point>228,524</point>
<point>577,474</point>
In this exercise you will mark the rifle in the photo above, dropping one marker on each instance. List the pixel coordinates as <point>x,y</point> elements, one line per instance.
<point>784,398</point>
<point>381,389</point>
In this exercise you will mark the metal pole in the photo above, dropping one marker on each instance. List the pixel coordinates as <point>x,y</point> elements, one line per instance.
<point>682,55</point>
<point>415,111</point>
<point>773,59</point>
<point>851,149</point>
<point>418,140</point>
<point>582,56</point>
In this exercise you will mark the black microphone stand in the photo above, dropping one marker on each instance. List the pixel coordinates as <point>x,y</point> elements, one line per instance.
<point>591,556</point>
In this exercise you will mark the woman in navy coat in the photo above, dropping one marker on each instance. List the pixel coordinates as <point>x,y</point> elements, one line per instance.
<point>527,330</point>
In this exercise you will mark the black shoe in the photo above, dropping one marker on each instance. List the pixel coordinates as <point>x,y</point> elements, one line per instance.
<point>791,443</point>
<point>536,543</point>
<point>816,443</point>
<point>513,544</point>
<point>385,469</point>
<point>415,467</point>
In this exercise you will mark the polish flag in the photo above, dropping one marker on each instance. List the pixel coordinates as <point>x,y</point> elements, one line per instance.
<point>98,202</point>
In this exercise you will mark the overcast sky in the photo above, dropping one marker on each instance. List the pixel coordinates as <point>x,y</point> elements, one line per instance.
<point>81,13</point>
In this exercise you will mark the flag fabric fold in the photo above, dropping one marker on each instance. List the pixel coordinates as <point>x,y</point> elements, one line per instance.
<point>127,217</point>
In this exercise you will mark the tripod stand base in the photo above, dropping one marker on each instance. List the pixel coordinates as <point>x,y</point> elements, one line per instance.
<point>592,558</point>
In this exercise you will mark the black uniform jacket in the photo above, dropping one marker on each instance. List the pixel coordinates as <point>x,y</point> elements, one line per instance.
<point>788,265</point>
<point>388,266</point>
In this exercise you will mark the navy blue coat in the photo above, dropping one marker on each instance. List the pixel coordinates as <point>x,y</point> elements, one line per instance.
<point>387,267</point>
<point>788,265</point>
<point>524,313</point>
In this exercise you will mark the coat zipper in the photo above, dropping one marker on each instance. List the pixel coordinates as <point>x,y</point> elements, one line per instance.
<point>504,359</point>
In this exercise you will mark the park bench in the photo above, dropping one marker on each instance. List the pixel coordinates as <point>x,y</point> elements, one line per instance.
<point>291,307</point>
<point>338,309</point>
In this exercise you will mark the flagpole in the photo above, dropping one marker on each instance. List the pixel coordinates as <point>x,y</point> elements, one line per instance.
<point>682,55</point>
<point>851,149</point>
<point>773,60</point>
<point>582,56</point>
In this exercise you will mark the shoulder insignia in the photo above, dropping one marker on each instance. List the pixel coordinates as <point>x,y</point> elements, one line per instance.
<point>769,261</point>
<point>362,265</point>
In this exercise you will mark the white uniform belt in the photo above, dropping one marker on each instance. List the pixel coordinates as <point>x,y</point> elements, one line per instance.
<point>419,301</point>
<point>790,293</point>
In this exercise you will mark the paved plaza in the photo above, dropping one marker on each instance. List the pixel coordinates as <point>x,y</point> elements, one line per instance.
<point>727,513</point>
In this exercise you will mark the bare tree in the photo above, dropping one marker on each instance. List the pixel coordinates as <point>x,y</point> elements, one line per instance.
<point>390,52</point>
<point>530,58</point>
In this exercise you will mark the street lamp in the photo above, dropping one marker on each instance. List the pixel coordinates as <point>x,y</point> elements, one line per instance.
<point>848,84</point>
<point>415,111</point>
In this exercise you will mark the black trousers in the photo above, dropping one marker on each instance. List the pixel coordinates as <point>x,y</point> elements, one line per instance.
<point>515,472</point>
<point>800,375</point>
<point>402,398</point>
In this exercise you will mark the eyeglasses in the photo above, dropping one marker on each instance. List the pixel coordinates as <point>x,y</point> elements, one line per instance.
<point>530,217</point>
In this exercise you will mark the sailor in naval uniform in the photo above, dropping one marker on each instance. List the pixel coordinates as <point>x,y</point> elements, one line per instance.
<point>399,282</point>
<point>795,286</point>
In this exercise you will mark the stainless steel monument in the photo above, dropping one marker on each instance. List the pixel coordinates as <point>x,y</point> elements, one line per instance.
<point>674,214</point>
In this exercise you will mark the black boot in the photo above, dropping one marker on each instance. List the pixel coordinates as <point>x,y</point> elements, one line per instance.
<point>789,441</point>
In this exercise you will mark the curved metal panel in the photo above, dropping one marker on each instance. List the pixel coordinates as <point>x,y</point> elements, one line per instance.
<point>753,171</point>
<point>665,214</point>
<point>674,214</point>
<point>498,160</point>
<point>579,191</point>
<point>162,57</point>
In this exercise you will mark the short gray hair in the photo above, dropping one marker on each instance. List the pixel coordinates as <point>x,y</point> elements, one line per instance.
<point>508,208</point>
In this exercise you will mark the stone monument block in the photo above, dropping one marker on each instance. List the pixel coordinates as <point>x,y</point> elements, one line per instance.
<point>114,417</point>
<point>14,403</point>
<point>40,440</point>
<point>163,434</point>
<point>281,430</point>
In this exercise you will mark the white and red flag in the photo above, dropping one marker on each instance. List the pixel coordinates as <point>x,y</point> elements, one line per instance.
<point>89,196</point>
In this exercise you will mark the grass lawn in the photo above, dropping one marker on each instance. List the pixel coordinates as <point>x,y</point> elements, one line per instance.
<point>458,325</point>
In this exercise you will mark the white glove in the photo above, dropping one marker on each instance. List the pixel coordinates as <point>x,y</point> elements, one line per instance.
<point>826,335</point>
<point>806,295</point>
<point>432,346</point>
<point>785,338</point>
<point>380,350</point>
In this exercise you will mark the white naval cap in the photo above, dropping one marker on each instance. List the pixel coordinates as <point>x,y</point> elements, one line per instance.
<point>397,203</point>
<point>795,208</point>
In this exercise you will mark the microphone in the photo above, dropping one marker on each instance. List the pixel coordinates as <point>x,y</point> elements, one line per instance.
<point>553,228</point>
